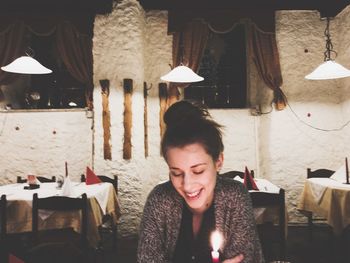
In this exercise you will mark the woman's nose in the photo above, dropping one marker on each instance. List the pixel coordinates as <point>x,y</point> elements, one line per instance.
<point>187,181</point>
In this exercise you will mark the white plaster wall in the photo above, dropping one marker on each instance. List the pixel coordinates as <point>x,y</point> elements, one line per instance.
<point>128,43</point>
<point>114,62</point>
<point>132,43</point>
<point>292,140</point>
<point>39,142</point>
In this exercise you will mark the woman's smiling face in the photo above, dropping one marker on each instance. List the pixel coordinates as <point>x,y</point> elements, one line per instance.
<point>193,174</point>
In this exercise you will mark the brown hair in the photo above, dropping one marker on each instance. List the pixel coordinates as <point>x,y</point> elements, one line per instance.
<point>190,122</point>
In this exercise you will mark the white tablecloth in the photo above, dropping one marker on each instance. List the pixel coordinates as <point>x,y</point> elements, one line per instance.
<point>102,199</point>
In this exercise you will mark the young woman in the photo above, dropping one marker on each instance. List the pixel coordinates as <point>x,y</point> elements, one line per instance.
<point>180,215</point>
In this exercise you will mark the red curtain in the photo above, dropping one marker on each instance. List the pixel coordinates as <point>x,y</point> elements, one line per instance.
<point>73,42</point>
<point>12,46</point>
<point>264,53</point>
<point>188,49</point>
<point>75,50</point>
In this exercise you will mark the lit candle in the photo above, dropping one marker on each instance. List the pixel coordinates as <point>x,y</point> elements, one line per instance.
<point>347,170</point>
<point>216,241</point>
<point>66,169</point>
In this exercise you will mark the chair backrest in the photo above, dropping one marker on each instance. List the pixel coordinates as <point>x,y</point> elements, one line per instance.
<point>323,173</point>
<point>113,181</point>
<point>232,174</point>
<point>3,220</point>
<point>42,179</point>
<point>60,203</point>
<point>105,179</point>
<point>264,199</point>
<point>21,180</point>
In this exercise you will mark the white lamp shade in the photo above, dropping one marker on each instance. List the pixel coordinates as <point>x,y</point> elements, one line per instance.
<point>182,74</point>
<point>329,70</point>
<point>26,65</point>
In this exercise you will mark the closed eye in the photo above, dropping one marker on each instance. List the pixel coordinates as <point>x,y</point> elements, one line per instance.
<point>176,174</point>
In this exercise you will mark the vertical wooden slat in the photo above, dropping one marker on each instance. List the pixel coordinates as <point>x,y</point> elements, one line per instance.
<point>173,95</point>
<point>163,96</point>
<point>145,118</point>
<point>128,88</point>
<point>106,119</point>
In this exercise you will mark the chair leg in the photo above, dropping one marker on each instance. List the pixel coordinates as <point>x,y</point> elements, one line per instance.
<point>114,241</point>
<point>310,226</point>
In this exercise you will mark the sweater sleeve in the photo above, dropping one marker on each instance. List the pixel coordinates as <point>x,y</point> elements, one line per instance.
<point>151,238</point>
<point>243,237</point>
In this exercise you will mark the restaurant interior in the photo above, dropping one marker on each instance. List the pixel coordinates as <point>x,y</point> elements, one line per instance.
<point>99,113</point>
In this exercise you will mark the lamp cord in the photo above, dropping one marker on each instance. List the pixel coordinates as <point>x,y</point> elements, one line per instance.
<point>181,48</point>
<point>311,126</point>
<point>304,122</point>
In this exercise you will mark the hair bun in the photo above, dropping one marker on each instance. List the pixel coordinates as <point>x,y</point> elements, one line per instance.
<point>185,111</point>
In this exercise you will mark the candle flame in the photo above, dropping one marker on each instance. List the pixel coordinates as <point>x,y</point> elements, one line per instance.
<point>216,240</point>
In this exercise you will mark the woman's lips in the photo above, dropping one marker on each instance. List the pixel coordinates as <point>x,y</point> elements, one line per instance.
<point>193,195</point>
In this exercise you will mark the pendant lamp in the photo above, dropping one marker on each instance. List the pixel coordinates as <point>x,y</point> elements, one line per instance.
<point>181,73</point>
<point>26,65</point>
<point>329,69</point>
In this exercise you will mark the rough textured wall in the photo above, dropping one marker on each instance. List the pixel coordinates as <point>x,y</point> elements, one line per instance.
<point>132,43</point>
<point>39,142</point>
<point>118,50</point>
<point>151,47</point>
<point>308,132</point>
<point>285,142</point>
<point>141,51</point>
<point>342,23</point>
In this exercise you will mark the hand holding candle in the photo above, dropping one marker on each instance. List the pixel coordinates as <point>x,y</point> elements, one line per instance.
<point>216,241</point>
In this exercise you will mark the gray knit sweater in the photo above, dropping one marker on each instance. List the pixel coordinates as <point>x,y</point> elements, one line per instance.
<point>234,218</point>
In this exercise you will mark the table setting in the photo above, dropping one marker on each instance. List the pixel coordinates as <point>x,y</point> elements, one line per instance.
<point>101,196</point>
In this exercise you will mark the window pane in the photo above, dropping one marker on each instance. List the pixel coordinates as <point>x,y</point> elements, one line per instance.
<point>223,67</point>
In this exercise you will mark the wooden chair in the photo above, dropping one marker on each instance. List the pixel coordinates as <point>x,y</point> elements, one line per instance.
<point>3,232</point>
<point>263,199</point>
<point>232,174</point>
<point>60,203</point>
<point>318,173</point>
<point>3,221</point>
<point>42,179</point>
<point>10,243</point>
<point>108,225</point>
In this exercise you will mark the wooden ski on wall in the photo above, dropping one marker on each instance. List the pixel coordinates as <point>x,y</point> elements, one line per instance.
<point>128,89</point>
<point>106,119</point>
<point>163,97</point>
<point>145,118</point>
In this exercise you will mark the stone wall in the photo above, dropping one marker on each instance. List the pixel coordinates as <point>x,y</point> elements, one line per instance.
<point>40,142</point>
<point>309,132</point>
<point>132,43</point>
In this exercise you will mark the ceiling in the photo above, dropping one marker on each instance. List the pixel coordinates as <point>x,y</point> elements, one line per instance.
<point>326,7</point>
<point>56,6</point>
<point>226,12</point>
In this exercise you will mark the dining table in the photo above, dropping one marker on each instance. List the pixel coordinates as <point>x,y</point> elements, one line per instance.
<point>102,199</point>
<point>329,199</point>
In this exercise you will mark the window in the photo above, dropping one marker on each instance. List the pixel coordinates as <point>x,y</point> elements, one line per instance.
<point>62,43</point>
<point>224,68</point>
<point>58,89</point>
